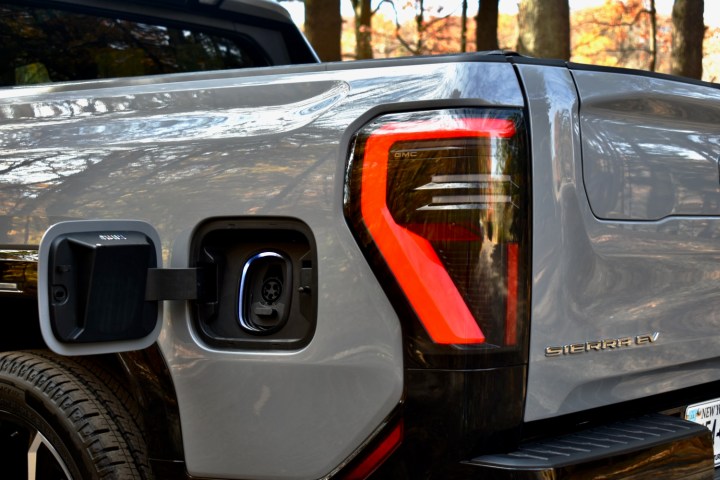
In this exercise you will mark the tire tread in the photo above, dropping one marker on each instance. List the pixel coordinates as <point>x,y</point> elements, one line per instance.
<point>93,407</point>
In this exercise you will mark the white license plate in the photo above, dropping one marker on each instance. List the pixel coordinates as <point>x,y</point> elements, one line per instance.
<point>708,414</point>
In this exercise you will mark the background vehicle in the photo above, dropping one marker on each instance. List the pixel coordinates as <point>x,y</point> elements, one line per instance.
<point>466,266</point>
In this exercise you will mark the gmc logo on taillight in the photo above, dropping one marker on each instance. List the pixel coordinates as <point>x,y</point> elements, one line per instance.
<point>406,154</point>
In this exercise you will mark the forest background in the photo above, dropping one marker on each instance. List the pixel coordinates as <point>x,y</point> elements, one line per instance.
<point>680,37</point>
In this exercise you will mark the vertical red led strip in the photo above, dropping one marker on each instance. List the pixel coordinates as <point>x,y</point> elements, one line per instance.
<point>412,259</point>
<point>512,295</point>
<point>378,455</point>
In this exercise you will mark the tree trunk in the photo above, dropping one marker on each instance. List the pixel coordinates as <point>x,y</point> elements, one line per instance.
<point>544,28</point>
<point>486,25</point>
<point>463,27</point>
<point>420,26</point>
<point>653,34</point>
<point>323,28</point>
<point>363,29</point>
<point>687,38</point>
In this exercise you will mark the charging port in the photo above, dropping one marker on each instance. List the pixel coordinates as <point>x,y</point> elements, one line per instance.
<point>264,295</point>
<point>265,272</point>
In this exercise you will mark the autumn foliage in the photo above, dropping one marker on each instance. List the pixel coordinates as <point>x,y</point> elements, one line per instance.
<point>617,33</point>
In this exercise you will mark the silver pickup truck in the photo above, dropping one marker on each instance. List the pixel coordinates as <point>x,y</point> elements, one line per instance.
<point>220,258</point>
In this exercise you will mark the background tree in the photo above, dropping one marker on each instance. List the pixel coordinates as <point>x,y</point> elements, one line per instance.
<point>624,34</point>
<point>652,12</point>
<point>323,28</point>
<point>363,29</point>
<point>431,31</point>
<point>544,27</point>
<point>687,38</point>
<point>463,27</point>
<point>621,33</point>
<point>486,25</point>
<point>416,46</point>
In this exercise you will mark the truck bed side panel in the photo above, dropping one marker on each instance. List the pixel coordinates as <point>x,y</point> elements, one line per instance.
<point>176,151</point>
<point>622,308</point>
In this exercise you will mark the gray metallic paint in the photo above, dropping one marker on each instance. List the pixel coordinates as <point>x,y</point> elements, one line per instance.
<point>650,146</point>
<point>598,279</point>
<point>174,151</point>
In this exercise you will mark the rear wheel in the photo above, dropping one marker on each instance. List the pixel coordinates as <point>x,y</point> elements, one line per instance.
<point>59,421</point>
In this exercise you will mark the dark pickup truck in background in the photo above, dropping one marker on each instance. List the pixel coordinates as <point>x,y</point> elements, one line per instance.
<point>220,258</point>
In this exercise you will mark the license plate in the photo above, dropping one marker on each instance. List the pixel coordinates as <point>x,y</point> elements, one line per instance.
<point>708,414</point>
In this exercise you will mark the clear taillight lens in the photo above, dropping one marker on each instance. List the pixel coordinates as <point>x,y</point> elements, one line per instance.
<point>440,200</point>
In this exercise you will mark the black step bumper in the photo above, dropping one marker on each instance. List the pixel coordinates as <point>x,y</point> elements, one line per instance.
<point>653,447</point>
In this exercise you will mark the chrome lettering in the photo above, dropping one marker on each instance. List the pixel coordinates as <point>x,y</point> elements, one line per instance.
<point>600,345</point>
<point>112,236</point>
<point>649,338</point>
<point>553,351</point>
<point>610,343</point>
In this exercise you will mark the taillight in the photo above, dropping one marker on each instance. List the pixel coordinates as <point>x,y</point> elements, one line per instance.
<point>440,201</point>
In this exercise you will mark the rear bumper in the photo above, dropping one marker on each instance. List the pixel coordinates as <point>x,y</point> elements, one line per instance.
<point>652,446</point>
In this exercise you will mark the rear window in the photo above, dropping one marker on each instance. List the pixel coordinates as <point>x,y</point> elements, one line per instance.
<point>39,45</point>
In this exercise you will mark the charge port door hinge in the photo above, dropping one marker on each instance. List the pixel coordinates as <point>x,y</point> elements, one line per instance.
<point>181,284</point>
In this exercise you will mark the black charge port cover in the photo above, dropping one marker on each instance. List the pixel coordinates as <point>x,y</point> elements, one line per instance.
<point>97,285</point>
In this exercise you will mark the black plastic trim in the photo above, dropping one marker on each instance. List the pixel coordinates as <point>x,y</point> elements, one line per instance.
<point>473,57</point>
<point>450,416</point>
<point>151,384</point>
<point>640,73</point>
<point>549,62</point>
<point>172,284</point>
<point>18,272</point>
<point>635,447</point>
<point>18,268</point>
<point>543,62</point>
<point>596,443</point>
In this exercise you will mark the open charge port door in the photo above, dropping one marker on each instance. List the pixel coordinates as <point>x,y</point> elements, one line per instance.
<point>252,284</point>
<point>92,286</point>
<point>266,275</point>
<point>97,286</point>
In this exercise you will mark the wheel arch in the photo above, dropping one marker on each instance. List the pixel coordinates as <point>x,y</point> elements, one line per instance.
<point>143,373</point>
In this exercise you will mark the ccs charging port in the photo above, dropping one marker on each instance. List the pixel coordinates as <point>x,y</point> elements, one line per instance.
<point>264,294</point>
<point>265,273</point>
